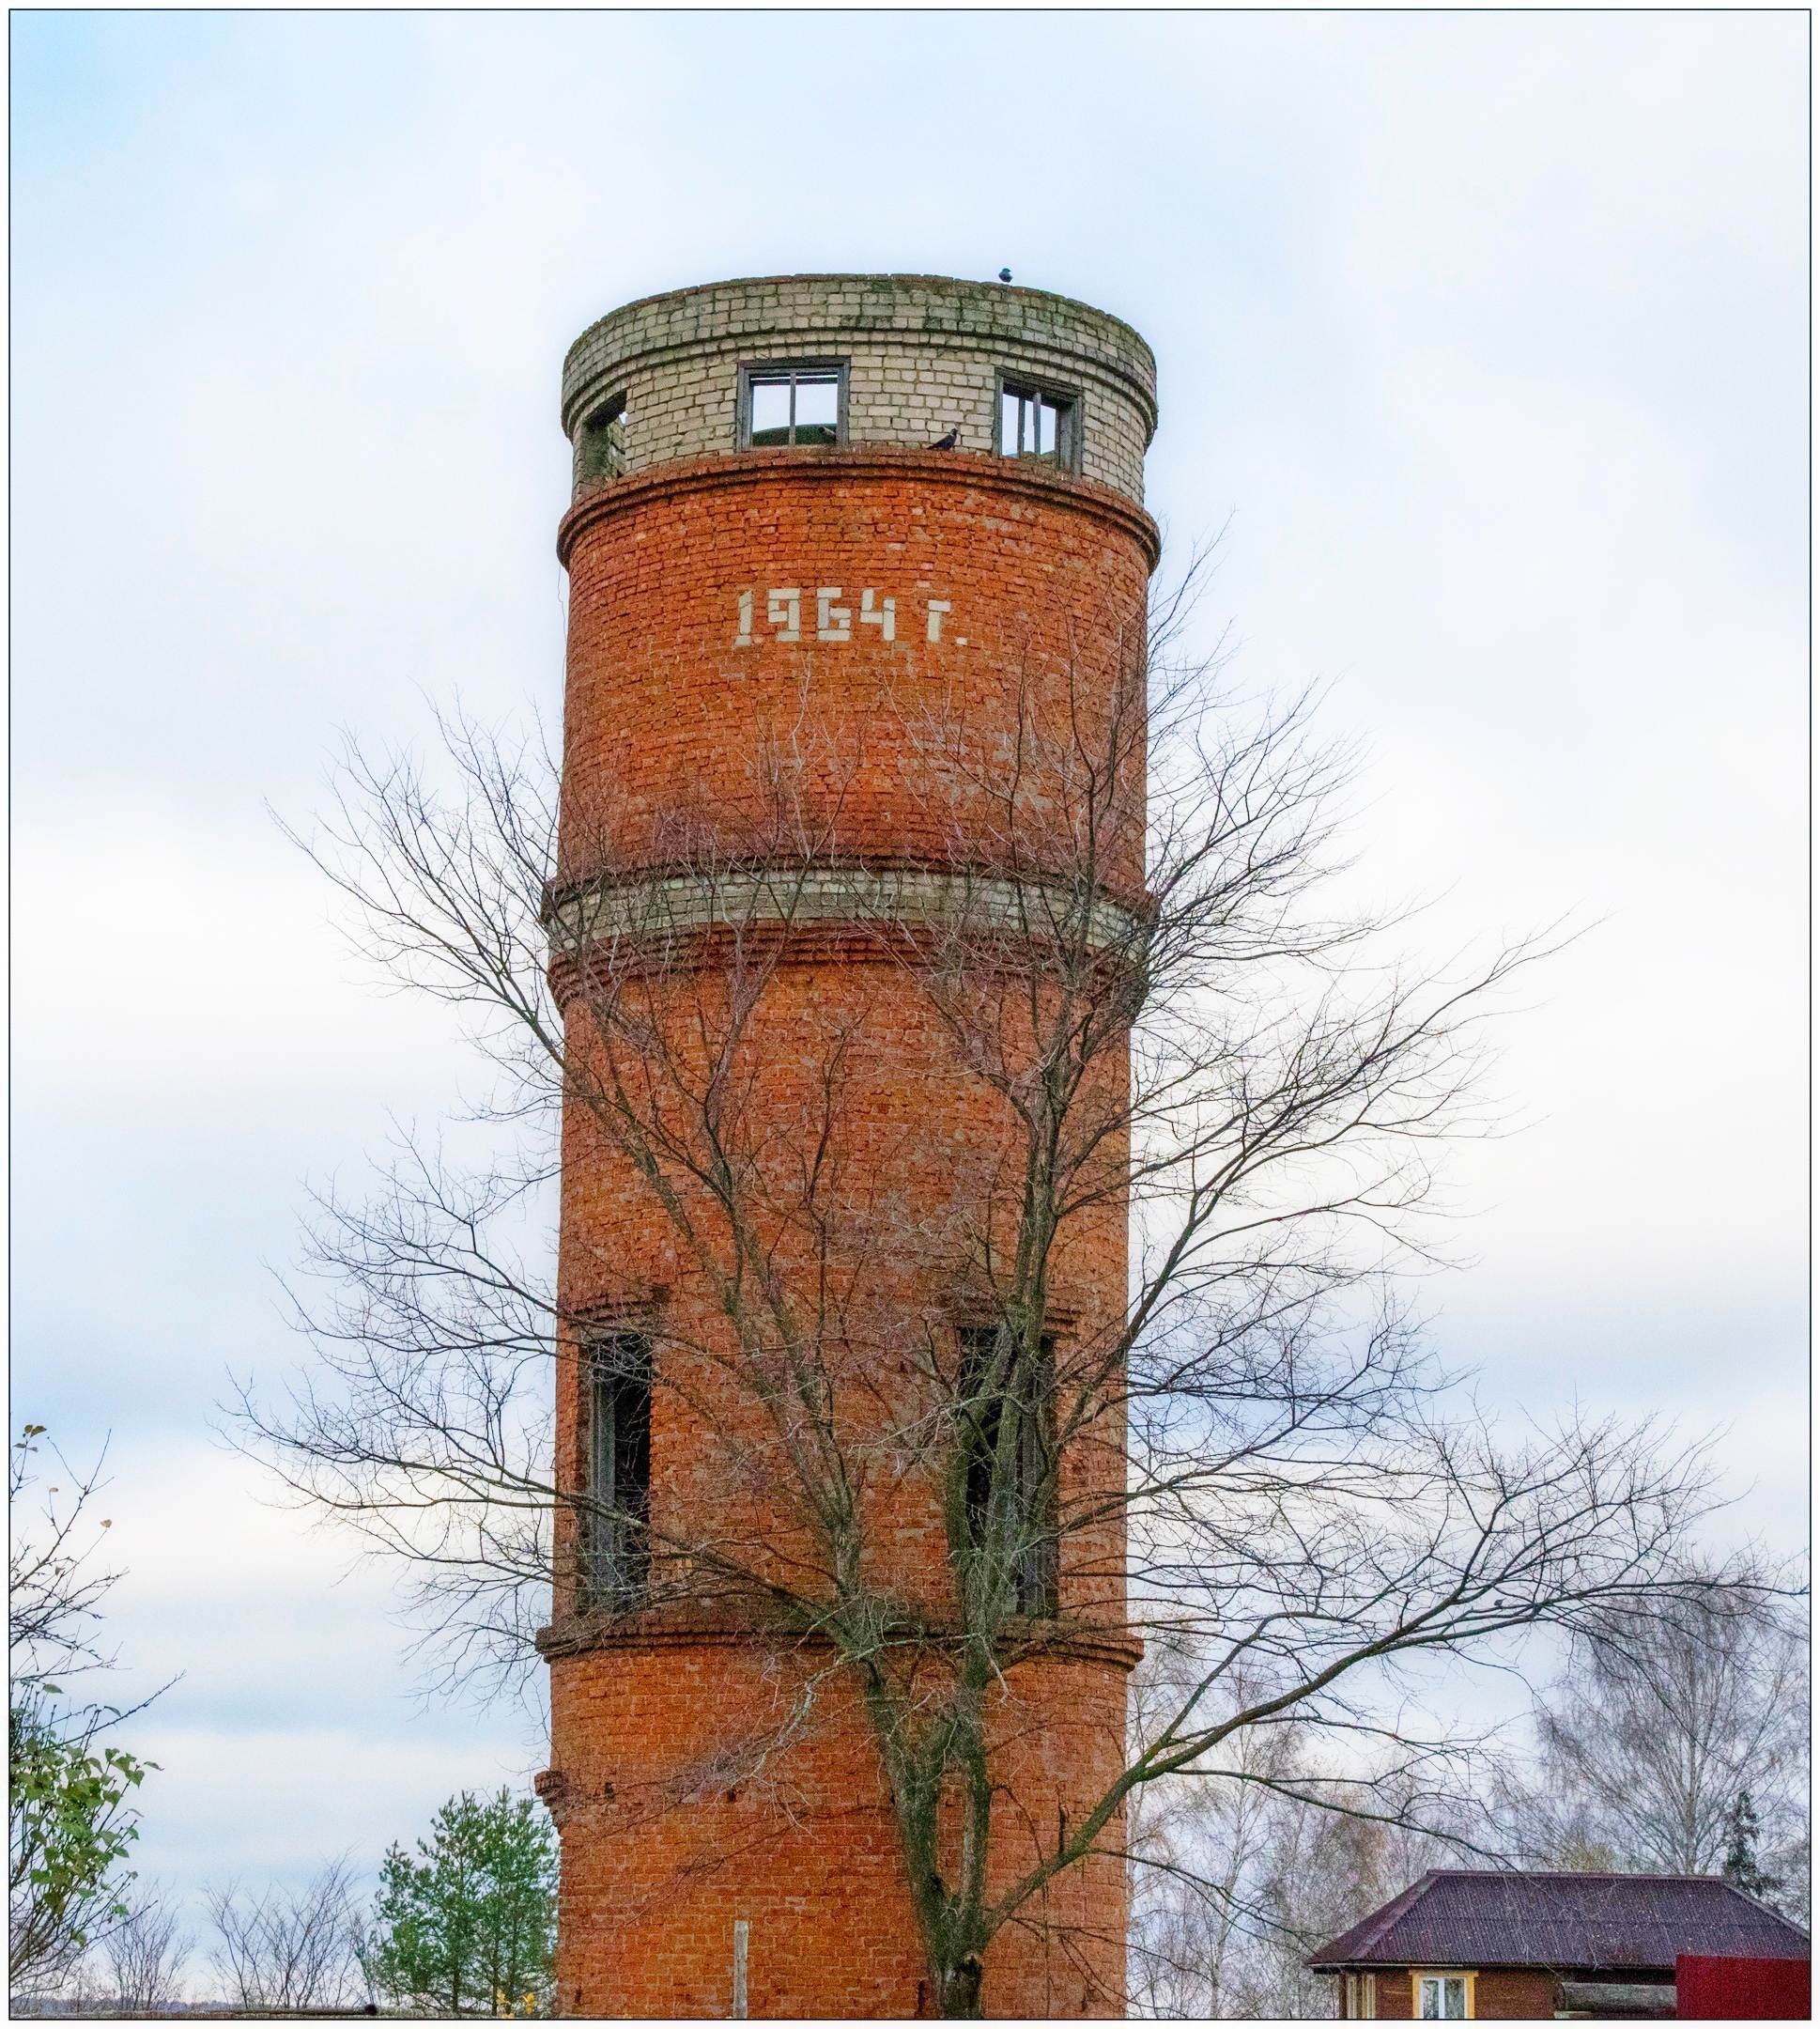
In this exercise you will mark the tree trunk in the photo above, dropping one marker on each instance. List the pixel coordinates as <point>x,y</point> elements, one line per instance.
<point>958,1990</point>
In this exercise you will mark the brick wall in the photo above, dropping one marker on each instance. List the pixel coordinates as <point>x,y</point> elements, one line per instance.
<point>923,351</point>
<point>660,1861</point>
<point>1010,588</point>
<point>1041,580</point>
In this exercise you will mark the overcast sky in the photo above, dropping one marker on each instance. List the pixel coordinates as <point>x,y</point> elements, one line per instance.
<point>1487,331</point>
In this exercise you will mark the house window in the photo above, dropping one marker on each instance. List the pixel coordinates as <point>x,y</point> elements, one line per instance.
<point>615,1554</point>
<point>1039,424</point>
<point>1444,1997</point>
<point>800,403</point>
<point>1361,1997</point>
<point>600,448</point>
<point>1011,1484</point>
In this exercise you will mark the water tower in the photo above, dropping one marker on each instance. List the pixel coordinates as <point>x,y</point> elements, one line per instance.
<point>804,503</point>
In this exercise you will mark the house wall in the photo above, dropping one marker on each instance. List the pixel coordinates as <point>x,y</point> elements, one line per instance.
<point>1507,1993</point>
<point>1516,1994</point>
<point>1394,1991</point>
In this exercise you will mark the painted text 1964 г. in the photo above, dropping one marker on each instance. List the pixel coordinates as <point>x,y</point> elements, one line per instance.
<point>783,613</point>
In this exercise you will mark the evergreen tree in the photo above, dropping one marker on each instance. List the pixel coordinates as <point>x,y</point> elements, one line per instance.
<point>1741,1867</point>
<point>469,1927</point>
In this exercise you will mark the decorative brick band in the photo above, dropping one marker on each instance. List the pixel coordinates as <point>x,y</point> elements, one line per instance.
<point>819,898</point>
<point>967,471</point>
<point>1106,1647</point>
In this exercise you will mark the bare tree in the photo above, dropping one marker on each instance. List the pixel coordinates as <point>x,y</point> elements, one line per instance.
<point>139,1968</point>
<point>1154,1015</point>
<point>70,1822</point>
<point>1664,1717</point>
<point>55,1587</point>
<point>1265,1851</point>
<point>290,1949</point>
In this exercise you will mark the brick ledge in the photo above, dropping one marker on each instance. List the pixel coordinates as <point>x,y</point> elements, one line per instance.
<point>576,1638</point>
<point>972,470</point>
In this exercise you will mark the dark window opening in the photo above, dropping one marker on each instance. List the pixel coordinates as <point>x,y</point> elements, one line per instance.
<point>793,405</point>
<point>601,445</point>
<point>1038,423</point>
<point>1019,1484</point>
<point>615,1552</point>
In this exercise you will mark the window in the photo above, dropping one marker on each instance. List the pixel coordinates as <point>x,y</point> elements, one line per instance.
<point>1040,424</point>
<point>792,403</point>
<point>1011,1484</point>
<point>600,448</point>
<point>1361,2003</point>
<point>615,1548</point>
<point>1444,1997</point>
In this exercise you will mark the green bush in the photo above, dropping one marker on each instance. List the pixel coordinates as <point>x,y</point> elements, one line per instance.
<point>69,1826</point>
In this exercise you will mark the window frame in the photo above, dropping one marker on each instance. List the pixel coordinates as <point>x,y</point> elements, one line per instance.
<point>1038,1578</point>
<point>615,1558</point>
<point>1360,1997</point>
<point>1069,424</point>
<point>1420,1977</point>
<point>754,370</point>
<point>594,425</point>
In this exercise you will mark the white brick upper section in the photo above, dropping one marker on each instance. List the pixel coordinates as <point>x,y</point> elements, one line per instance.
<point>923,354</point>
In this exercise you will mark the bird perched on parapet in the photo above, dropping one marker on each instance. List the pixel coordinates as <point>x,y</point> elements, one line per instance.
<point>948,442</point>
<point>1003,274</point>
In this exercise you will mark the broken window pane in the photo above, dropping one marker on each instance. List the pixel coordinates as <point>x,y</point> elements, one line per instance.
<point>818,408</point>
<point>619,1469</point>
<point>1007,1429</point>
<point>601,444</point>
<point>788,405</point>
<point>1035,424</point>
<point>770,412</point>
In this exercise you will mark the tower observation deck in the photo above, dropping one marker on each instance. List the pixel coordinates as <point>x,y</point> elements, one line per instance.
<point>844,552</point>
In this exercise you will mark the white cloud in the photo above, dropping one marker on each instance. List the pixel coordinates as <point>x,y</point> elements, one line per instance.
<point>294,1730</point>
<point>173,962</point>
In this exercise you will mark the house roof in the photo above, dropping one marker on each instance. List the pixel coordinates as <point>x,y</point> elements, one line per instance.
<point>1632,1923</point>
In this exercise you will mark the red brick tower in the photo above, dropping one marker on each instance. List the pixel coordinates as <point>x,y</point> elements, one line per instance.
<point>806,510</point>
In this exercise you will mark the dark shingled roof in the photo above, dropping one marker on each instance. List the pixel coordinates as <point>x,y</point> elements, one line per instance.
<point>1590,1923</point>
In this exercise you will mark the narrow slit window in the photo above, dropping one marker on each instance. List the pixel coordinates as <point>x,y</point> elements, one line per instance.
<point>616,1553</point>
<point>1010,1485</point>
<point>793,405</point>
<point>1039,424</point>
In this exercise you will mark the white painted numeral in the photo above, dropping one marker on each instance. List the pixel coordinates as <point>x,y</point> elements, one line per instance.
<point>783,609</point>
<point>832,622</point>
